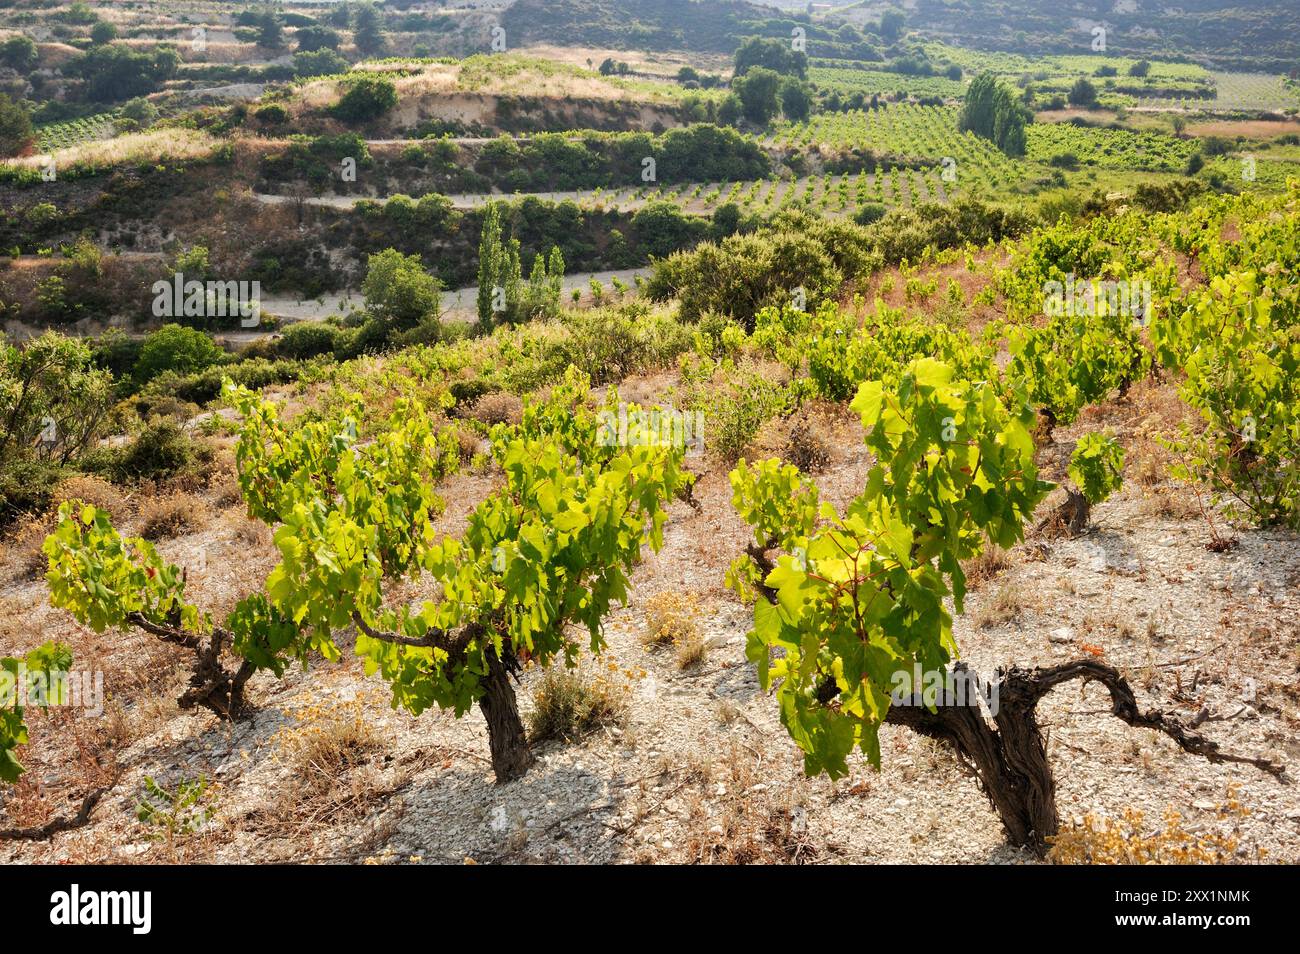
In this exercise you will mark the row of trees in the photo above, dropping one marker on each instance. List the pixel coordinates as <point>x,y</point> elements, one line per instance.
<point>113,73</point>
<point>503,296</point>
<point>992,111</point>
<point>310,36</point>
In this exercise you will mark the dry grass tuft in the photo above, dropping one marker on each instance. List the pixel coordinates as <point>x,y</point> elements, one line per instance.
<point>691,651</point>
<point>1006,605</point>
<point>226,493</point>
<point>670,617</point>
<point>93,490</point>
<point>250,533</point>
<point>328,741</point>
<point>1129,841</point>
<point>737,815</point>
<point>1170,501</point>
<point>568,704</point>
<point>986,565</point>
<point>806,446</point>
<point>467,444</point>
<point>28,561</point>
<point>499,407</point>
<point>670,620</point>
<point>170,515</point>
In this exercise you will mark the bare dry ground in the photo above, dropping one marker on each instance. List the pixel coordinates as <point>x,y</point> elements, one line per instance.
<point>699,768</point>
<point>1250,128</point>
<point>665,64</point>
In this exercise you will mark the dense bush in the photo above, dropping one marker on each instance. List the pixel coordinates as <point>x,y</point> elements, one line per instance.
<point>663,228</point>
<point>16,134</point>
<point>701,152</point>
<point>759,91</point>
<point>204,386</point>
<point>27,486</point>
<point>905,233</point>
<point>797,251</point>
<point>176,348</point>
<point>313,38</point>
<point>113,73</point>
<point>773,54</point>
<point>744,273</point>
<point>399,292</point>
<point>53,398</point>
<point>316,160</point>
<point>306,339</point>
<point>366,98</point>
<point>609,343</point>
<point>163,449</point>
<point>19,53</point>
<point>322,62</point>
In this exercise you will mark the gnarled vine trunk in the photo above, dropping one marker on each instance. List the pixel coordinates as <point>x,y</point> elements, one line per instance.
<point>507,738</point>
<point>1009,754</point>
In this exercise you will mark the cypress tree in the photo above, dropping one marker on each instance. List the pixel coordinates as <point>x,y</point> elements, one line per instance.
<point>489,263</point>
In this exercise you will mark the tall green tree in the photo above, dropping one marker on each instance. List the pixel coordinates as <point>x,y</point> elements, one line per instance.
<point>16,134</point>
<point>19,53</point>
<point>1082,93</point>
<point>773,54</point>
<point>758,90</point>
<point>796,103</point>
<point>891,24</point>
<point>270,31</point>
<point>399,291</point>
<point>489,257</point>
<point>113,73</point>
<point>991,111</point>
<point>53,399</point>
<point>367,29</point>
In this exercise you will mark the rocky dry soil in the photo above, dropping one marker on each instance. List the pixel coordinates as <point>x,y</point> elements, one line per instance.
<point>699,769</point>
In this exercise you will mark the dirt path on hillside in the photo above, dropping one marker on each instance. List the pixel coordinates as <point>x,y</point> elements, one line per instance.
<point>459,304</point>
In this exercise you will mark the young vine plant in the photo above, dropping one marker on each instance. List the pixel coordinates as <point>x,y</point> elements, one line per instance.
<point>551,547</point>
<point>858,597</point>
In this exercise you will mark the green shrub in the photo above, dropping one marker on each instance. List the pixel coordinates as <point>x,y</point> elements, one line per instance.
<point>399,291</point>
<point>163,449</point>
<point>367,98</point>
<point>272,114</point>
<point>176,348</point>
<point>27,486</point>
<point>205,386</point>
<point>609,343</point>
<point>736,409</point>
<point>323,62</point>
<point>663,228</point>
<point>306,339</point>
<point>869,212</point>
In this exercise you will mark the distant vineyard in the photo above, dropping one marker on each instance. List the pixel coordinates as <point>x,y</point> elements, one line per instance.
<point>884,82</point>
<point>1254,91</point>
<point>1109,148</point>
<point>830,194</point>
<point>73,132</point>
<point>907,131</point>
